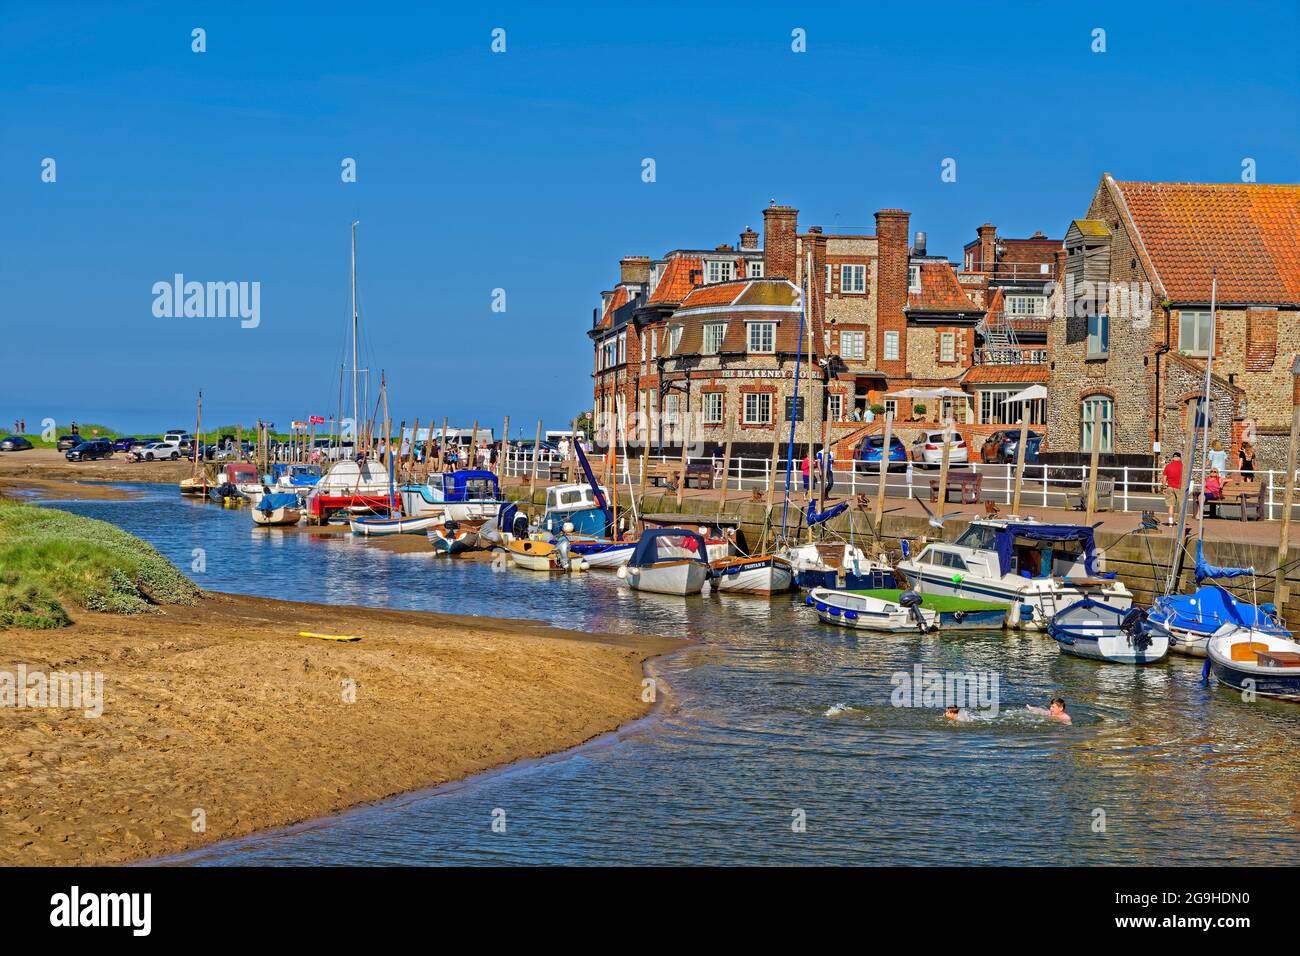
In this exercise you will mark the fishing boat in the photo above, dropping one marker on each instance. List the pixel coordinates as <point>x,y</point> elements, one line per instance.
<point>1254,661</point>
<point>238,479</point>
<point>667,561</point>
<point>278,508</point>
<point>1188,621</point>
<point>1103,632</point>
<point>375,526</point>
<point>951,613</point>
<point>1038,569</point>
<point>465,495</point>
<point>453,537</point>
<point>758,574</point>
<point>837,564</point>
<point>870,613</point>
<point>533,555</point>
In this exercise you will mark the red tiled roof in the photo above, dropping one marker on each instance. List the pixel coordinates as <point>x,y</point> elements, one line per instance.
<point>616,301</point>
<point>940,291</point>
<point>675,282</point>
<point>1026,374</point>
<point>1249,231</point>
<point>724,293</point>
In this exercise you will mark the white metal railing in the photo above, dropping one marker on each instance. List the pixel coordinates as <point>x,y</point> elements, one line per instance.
<point>1045,486</point>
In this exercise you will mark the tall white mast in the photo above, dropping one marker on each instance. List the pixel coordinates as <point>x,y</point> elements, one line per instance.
<point>356,414</point>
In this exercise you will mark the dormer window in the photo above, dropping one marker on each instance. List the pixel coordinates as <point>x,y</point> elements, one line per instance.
<point>1033,305</point>
<point>760,337</point>
<point>914,278</point>
<point>714,332</point>
<point>719,270</point>
<point>674,340</point>
<point>756,268</point>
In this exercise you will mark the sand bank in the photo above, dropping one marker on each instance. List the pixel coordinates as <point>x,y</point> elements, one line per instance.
<point>222,713</point>
<point>47,463</point>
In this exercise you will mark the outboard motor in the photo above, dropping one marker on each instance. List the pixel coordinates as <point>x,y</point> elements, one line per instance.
<point>520,526</point>
<point>1134,625</point>
<point>912,601</point>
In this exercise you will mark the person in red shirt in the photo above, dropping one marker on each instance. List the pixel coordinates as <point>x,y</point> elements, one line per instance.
<point>1173,477</point>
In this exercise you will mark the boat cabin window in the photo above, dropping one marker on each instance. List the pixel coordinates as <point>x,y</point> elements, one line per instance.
<point>1043,559</point>
<point>479,488</point>
<point>947,559</point>
<point>980,537</point>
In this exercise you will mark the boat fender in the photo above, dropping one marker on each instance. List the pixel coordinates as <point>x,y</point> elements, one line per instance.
<point>959,616</point>
<point>622,571</point>
<point>821,606</point>
<point>835,612</point>
<point>809,601</point>
<point>1026,612</point>
<point>1205,670</point>
<point>850,615</point>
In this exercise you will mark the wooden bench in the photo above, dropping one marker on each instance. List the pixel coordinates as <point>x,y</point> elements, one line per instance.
<point>966,483</point>
<point>1240,493</point>
<point>670,473</point>
<point>1078,500</point>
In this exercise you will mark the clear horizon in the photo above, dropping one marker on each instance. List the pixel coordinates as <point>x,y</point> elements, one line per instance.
<point>522,171</point>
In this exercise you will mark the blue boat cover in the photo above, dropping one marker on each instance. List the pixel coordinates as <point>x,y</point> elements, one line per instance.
<point>278,500</point>
<point>1209,608</point>
<point>1205,570</point>
<point>1006,538</point>
<point>470,485</point>
<point>827,515</point>
<point>667,544</point>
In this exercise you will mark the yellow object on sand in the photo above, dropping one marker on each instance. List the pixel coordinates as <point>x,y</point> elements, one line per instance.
<point>330,637</point>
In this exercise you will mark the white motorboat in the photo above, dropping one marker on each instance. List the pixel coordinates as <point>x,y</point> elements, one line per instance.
<point>667,561</point>
<point>1255,662</point>
<point>1102,632</point>
<point>604,553</point>
<point>465,495</point>
<point>375,526</point>
<point>1038,569</point>
<point>278,509</point>
<point>862,611</point>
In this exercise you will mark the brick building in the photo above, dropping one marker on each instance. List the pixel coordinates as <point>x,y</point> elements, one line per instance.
<point>1130,325</point>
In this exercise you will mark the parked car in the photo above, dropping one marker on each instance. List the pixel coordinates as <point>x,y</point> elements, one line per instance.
<point>90,450</point>
<point>14,443</point>
<point>178,438</point>
<point>158,450</point>
<point>927,449</point>
<point>869,451</point>
<point>125,443</point>
<point>67,441</point>
<point>1000,447</point>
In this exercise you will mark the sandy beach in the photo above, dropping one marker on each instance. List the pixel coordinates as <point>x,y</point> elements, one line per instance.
<point>46,463</point>
<point>222,713</point>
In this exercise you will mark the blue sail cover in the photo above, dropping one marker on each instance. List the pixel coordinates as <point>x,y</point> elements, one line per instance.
<point>1209,608</point>
<point>278,500</point>
<point>1205,570</point>
<point>827,515</point>
<point>1006,538</point>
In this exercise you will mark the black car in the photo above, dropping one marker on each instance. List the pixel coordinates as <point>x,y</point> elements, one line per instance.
<point>90,450</point>
<point>14,443</point>
<point>68,441</point>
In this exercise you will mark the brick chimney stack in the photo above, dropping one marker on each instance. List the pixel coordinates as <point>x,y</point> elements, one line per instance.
<point>634,270</point>
<point>988,234</point>
<point>779,241</point>
<point>749,239</point>
<point>891,287</point>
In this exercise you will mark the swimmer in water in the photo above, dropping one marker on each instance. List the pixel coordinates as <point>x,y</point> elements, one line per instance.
<point>956,713</point>
<point>1055,710</point>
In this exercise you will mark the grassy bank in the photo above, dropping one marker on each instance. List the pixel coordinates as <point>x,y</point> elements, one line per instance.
<point>50,559</point>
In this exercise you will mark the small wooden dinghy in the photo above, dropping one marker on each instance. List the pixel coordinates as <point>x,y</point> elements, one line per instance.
<point>1255,661</point>
<point>375,526</point>
<point>860,610</point>
<point>1102,632</point>
<point>455,537</point>
<point>760,574</point>
<point>543,556</point>
<point>281,508</point>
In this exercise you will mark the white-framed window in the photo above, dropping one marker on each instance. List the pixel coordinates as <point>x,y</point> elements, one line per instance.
<point>713,408</point>
<point>719,270</point>
<point>622,347</point>
<point>674,340</point>
<point>654,345</point>
<point>1195,332</point>
<point>853,345</point>
<point>1098,335</point>
<point>714,333</point>
<point>891,347</point>
<point>761,337</point>
<point>993,407</point>
<point>853,279</point>
<point>947,346</point>
<point>1038,356</point>
<point>758,408</point>
<point>835,407</point>
<point>671,403</point>
<point>891,407</point>
<point>755,268</point>
<point>829,269</point>
<point>1032,305</point>
<point>1097,410</point>
<point>914,278</point>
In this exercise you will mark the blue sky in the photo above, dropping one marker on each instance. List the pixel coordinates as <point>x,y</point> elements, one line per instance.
<point>522,170</point>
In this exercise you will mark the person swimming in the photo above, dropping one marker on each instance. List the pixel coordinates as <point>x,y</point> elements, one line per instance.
<point>953,712</point>
<point>1055,710</point>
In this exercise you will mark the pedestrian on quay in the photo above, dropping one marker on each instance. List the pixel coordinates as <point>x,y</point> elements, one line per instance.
<point>1218,456</point>
<point>806,467</point>
<point>1173,479</point>
<point>830,472</point>
<point>1246,460</point>
<point>22,427</point>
